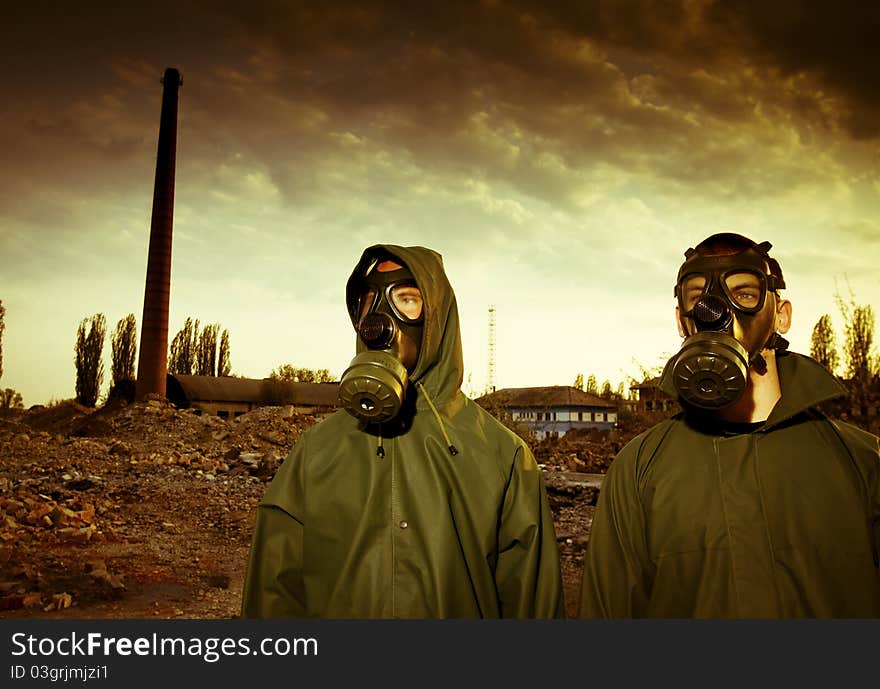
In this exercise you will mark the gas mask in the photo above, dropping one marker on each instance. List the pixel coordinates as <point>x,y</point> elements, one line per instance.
<point>729,317</point>
<point>388,314</point>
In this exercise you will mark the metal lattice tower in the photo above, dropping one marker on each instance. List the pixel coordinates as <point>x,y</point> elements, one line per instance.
<point>490,375</point>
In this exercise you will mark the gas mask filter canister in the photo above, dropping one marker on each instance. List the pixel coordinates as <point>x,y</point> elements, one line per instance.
<point>373,387</point>
<point>711,370</point>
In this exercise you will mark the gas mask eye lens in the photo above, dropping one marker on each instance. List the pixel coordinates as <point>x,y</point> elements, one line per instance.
<point>691,289</point>
<point>745,289</point>
<point>407,301</point>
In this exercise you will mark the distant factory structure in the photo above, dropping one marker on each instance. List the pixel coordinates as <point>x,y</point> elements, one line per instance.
<point>229,396</point>
<point>652,399</point>
<point>550,412</point>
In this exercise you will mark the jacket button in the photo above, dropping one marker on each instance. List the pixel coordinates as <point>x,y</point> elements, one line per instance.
<point>403,524</point>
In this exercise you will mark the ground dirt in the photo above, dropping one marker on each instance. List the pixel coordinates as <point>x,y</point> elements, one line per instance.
<point>146,511</point>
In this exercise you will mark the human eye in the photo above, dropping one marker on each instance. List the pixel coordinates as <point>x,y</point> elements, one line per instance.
<point>747,296</point>
<point>691,290</point>
<point>744,288</point>
<point>408,300</point>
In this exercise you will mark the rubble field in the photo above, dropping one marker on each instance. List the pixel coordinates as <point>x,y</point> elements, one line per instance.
<point>146,511</point>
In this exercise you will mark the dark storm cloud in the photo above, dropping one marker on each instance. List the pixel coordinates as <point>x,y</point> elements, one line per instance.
<point>834,41</point>
<point>660,89</point>
<point>540,99</point>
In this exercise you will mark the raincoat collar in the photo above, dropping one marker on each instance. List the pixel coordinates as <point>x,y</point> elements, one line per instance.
<point>805,384</point>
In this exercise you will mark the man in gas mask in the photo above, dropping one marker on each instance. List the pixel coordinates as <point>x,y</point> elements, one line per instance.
<point>751,502</point>
<point>412,501</point>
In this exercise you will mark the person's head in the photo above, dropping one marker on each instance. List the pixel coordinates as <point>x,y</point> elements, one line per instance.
<point>731,313</point>
<point>403,310</point>
<point>740,283</point>
<point>388,312</point>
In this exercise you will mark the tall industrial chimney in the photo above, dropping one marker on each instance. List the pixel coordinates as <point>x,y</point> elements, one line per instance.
<point>153,357</point>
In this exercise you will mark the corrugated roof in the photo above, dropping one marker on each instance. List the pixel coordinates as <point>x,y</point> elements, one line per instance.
<point>545,397</point>
<point>315,394</point>
<point>219,388</point>
<point>231,389</point>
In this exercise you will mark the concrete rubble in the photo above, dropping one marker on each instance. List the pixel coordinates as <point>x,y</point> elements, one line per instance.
<point>145,510</point>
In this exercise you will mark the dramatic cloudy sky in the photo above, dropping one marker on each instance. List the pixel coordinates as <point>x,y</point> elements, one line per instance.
<point>561,159</point>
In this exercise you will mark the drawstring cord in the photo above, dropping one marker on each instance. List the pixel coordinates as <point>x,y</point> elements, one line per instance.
<point>452,449</point>
<point>380,450</point>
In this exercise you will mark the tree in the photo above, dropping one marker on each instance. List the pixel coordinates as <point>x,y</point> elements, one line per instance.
<point>195,352</point>
<point>206,351</point>
<point>858,339</point>
<point>861,365</point>
<point>592,385</point>
<point>88,352</point>
<point>123,344</point>
<point>607,391</point>
<point>2,328</point>
<point>621,391</point>
<point>224,368</point>
<point>579,381</point>
<point>276,389</point>
<point>321,375</point>
<point>182,358</point>
<point>9,399</point>
<point>288,373</point>
<point>822,347</point>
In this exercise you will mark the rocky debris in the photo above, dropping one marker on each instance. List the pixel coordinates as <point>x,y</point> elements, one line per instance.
<point>98,570</point>
<point>101,508</point>
<point>583,450</point>
<point>572,483</point>
<point>60,601</point>
<point>145,510</point>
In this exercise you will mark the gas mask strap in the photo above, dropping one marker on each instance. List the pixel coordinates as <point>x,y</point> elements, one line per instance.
<point>777,342</point>
<point>759,363</point>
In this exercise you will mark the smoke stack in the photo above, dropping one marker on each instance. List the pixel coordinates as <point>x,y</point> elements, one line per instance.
<point>153,357</point>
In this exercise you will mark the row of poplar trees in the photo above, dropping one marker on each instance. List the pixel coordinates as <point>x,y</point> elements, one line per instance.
<point>191,352</point>
<point>606,392</point>
<point>195,352</point>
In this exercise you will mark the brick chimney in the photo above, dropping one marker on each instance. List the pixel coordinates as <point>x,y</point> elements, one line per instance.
<point>153,356</point>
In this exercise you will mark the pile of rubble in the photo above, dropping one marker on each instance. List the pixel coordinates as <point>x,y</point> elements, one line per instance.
<point>145,509</point>
<point>581,450</point>
<point>79,488</point>
<point>28,515</point>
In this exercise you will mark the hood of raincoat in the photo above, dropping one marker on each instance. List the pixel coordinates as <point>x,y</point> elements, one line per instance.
<point>440,368</point>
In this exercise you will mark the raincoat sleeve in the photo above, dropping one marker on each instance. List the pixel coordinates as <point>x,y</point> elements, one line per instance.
<point>875,514</point>
<point>527,575</point>
<point>273,585</point>
<point>617,566</point>
<point>864,448</point>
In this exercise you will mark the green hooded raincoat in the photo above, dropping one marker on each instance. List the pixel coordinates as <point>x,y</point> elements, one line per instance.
<point>420,532</point>
<point>783,521</point>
